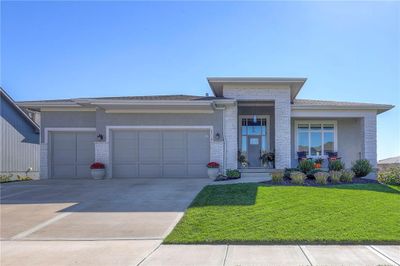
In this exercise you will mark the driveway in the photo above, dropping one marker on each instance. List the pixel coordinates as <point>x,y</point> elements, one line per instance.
<point>94,210</point>
<point>123,222</point>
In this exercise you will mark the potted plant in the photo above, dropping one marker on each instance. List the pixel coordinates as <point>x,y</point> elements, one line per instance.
<point>242,160</point>
<point>213,169</point>
<point>318,162</point>
<point>98,170</point>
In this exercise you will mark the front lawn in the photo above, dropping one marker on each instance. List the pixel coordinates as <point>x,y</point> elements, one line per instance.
<point>256,213</point>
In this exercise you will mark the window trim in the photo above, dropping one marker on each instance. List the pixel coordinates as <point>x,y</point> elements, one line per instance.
<point>335,138</point>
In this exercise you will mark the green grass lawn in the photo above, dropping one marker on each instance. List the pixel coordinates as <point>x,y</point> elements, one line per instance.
<point>255,213</point>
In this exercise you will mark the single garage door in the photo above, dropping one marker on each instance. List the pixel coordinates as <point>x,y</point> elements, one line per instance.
<point>160,153</point>
<point>72,153</point>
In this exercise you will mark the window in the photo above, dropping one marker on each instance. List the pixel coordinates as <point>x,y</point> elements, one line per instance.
<point>316,138</point>
<point>253,127</point>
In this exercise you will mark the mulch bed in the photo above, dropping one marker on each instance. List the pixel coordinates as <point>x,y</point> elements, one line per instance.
<point>311,182</point>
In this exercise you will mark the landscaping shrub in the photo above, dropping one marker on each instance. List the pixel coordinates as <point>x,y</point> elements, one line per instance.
<point>306,166</point>
<point>390,176</point>
<point>298,178</point>
<point>23,178</point>
<point>277,177</point>
<point>321,178</point>
<point>289,170</point>
<point>347,176</point>
<point>5,178</point>
<point>311,174</point>
<point>335,176</point>
<point>232,173</point>
<point>336,165</point>
<point>361,167</point>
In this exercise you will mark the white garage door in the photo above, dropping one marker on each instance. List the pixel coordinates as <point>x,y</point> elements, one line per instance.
<point>160,153</point>
<point>71,154</point>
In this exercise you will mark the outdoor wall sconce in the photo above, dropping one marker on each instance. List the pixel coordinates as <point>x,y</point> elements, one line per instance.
<point>100,137</point>
<point>217,136</point>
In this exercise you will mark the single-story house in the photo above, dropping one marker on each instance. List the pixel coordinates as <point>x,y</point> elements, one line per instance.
<point>19,145</point>
<point>389,162</point>
<point>177,135</point>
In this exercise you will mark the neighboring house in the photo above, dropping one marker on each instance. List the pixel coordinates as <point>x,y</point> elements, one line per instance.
<point>19,140</point>
<point>177,135</point>
<point>389,162</point>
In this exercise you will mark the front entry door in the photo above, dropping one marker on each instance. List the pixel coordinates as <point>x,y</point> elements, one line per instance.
<point>254,151</point>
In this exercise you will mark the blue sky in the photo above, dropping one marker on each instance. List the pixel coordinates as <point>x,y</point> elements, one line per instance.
<point>348,51</point>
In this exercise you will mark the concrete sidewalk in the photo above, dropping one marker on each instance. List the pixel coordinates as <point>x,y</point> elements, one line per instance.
<point>273,255</point>
<point>150,252</point>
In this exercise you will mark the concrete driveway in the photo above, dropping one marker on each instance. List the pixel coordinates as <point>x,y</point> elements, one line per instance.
<point>94,210</point>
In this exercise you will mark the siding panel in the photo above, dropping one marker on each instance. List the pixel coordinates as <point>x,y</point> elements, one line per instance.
<point>19,142</point>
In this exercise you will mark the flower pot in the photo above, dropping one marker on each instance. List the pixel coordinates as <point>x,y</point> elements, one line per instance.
<point>98,173</point>
<point>212,173</point>
<point>317,165</point>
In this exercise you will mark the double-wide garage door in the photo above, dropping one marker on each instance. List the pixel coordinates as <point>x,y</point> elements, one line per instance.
<point>72,153</point>
<point>160,153</point>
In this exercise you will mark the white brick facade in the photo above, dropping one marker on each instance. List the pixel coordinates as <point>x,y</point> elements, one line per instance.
<point>44,163</point>
<point>281,97</point>
<point>369,138</point>
<point>217,152</point>
<point>231,136</point>
<point>102,155</point>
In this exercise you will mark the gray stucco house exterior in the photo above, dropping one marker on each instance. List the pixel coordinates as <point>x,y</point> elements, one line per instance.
<point>177,135</point>
<point>20,140</point>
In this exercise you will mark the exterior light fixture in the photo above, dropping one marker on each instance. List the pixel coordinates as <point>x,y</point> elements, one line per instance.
<point>100,137</point>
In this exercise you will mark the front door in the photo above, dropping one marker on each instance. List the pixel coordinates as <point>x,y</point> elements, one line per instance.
<point>254,151</point>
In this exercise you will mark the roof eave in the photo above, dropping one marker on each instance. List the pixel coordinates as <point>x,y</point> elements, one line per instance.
<point>25,115</point>
<point>216,83</point>
<point>379,108</point>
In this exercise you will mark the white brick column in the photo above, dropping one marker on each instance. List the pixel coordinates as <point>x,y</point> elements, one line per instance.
<point>282,132</point>
<point>44,161</point>
<point>217,152</point>
<point>231,136</point>
<point>102,155</point>
<point>369,147</point>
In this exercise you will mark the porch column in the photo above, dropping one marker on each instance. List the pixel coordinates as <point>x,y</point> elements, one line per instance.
<point>44,159</point>
<point>369,138</point>
<point>282,132</point>
<point>231,136</point>
<point>102,155</point>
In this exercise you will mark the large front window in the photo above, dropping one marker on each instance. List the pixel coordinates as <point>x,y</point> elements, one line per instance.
<point>316,138</point>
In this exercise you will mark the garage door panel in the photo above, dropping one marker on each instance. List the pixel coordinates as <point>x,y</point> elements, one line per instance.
<point>149,147</point>
<point>150,170</point>
<point>85,147</point>
<point>71,154</point>
<point>174,146</point>
<point>197,170</point>
<point>125,147</point>
<point>125,170</point>
<point>64,171</point>
<point>174,170</point>
<point>62,157</point>
<point>83,171</point>
<point>198,147</point>
<point>64,148</point>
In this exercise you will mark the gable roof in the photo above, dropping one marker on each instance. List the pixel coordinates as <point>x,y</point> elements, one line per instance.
<point>8,98</point>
